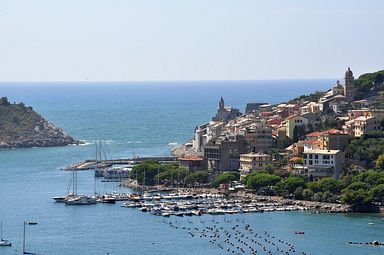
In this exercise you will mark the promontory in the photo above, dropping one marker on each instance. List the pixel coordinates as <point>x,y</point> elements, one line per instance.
<point>22,127</point>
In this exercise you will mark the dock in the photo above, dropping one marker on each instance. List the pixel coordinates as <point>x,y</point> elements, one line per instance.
<point>92,164</point>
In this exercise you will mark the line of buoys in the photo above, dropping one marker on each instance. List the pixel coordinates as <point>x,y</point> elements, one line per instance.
<point>237,238</point>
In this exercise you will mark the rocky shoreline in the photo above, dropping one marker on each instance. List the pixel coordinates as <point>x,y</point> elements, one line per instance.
<point>22,127</point>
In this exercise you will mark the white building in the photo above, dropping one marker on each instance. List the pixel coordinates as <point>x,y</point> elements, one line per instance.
<point>323,163</point>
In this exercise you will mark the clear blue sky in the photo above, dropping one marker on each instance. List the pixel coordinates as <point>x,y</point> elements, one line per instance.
<point>125,40</point>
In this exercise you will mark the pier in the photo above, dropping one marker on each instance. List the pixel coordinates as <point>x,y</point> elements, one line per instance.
<point>92,164</point>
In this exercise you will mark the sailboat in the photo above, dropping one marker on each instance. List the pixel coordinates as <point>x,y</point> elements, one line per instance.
<point>24,241</point>
<point>76,199</point>
<point>69,195</point>
<point>4,242</point>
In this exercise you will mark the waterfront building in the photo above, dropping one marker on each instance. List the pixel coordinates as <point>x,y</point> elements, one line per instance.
<point>225,113</point>
<point>253,162</point>
<point>205,133</point>
<point>292,122</point>
<point>193,163</point>
<point>323,163</point>
<point>223,153</point>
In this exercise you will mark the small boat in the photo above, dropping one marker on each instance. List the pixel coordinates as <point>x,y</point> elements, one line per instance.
<point>299,233</point>
<point>81,200</point>
<point>4,242</point>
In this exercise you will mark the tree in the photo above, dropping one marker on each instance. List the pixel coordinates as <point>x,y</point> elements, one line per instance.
<point>360,197</point>
<point>198,176</point>
<point>146,172</point>
<point>380,162</point>
<point>257,180</point>
<point>378,79</point>
<point>284,142</point>
<point>307,194</point>
<point>298,132</point>
<point>330,184</point>
<point>290,184</point>
<point>226,178</point>
<point>378,193</point>
<point>269,168</point>
<point>371,178</point>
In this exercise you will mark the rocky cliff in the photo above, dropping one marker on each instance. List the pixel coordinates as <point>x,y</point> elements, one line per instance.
<point>22,127</point>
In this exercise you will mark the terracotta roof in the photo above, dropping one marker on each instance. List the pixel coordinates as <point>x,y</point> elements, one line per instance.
<point>274,122</point>
<point>192,158</point>
<point>295,158</point>
<point>313,134</point>
<point>292,116</point>
<point>332,131</point>
<point>311,142</point>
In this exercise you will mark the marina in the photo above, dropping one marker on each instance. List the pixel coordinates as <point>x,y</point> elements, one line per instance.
<point>29,178</point>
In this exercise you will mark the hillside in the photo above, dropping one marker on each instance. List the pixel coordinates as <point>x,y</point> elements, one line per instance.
<point>371,86</point>
<point>22,127</point>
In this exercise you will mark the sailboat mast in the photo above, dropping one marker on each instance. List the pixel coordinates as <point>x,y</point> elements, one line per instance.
<point>1,231</point>
<point>24,238</point>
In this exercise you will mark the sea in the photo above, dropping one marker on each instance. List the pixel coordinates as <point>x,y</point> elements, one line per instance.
<point>146,119</point>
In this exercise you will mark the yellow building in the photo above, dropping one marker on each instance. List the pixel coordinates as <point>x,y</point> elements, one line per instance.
<point>292,122</point>
<point>253,162</point>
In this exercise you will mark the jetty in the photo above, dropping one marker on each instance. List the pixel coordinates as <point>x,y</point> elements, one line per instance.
<point>93,164</point>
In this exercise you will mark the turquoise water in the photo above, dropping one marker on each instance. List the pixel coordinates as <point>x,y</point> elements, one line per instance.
<point>142,119</point>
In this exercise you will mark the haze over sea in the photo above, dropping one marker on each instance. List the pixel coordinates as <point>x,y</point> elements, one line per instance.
<point>141,119</point>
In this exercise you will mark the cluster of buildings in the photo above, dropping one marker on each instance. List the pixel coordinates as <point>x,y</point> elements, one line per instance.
<point>233,141</point>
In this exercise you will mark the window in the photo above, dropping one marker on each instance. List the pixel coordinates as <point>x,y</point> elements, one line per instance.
<point>305,155</point>
<point>310,156</point>
<point>305,162</point>
<point>310,162</point>
<point>316,156</point>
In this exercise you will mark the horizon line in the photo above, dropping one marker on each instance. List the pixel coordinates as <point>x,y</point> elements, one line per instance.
<point>154,81</point>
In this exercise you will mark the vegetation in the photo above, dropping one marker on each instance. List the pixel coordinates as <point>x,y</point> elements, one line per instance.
<point>367,148</point>
<point>368,83</point>
<point>314,97</point>
<point>226,178</point>
<point>258,180</point>
<point>153,172</point>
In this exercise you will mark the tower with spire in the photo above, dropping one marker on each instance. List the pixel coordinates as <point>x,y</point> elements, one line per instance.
<point>221,104</point>
<point>225,113</point>
<point>349,87</point>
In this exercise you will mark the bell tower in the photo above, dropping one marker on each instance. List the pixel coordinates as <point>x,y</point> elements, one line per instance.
<point>221,104</point>
<point>349,87</point>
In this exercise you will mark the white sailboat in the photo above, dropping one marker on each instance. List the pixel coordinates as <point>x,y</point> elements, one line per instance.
<point>4,242</point>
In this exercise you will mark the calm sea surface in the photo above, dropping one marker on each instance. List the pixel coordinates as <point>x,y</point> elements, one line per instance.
<point>144,119</point>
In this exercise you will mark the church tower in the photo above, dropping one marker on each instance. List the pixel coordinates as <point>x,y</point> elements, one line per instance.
<point>221,104</point>
<point>349,87</point>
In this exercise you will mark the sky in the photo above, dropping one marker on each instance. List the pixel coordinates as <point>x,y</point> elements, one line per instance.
<point>149,40</point>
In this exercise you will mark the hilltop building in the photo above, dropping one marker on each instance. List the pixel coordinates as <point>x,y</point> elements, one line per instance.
<point>226,113</point>
<point>339,95</point>
<point>349,87</point>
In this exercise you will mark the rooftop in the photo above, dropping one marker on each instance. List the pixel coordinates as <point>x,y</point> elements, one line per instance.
<point>324,152</point>
<point>191,158</point>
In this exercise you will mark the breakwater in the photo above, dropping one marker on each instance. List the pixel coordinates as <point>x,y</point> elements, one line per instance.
<point>92,164</point>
